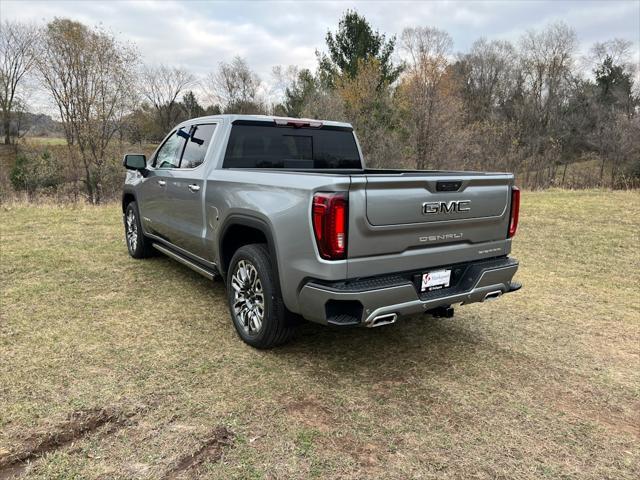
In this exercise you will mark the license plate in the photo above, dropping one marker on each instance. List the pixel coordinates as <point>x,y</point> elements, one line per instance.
<point>435,280</point>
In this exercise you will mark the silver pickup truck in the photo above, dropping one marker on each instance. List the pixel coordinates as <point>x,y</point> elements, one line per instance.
<point>285,211</point>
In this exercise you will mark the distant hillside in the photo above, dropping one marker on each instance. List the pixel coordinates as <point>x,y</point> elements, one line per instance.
<point>36,125</point>
<point>41,125</point>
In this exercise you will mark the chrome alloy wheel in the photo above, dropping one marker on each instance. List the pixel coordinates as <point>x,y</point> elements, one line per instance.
<point>132,230</point>
<point>248,297</point>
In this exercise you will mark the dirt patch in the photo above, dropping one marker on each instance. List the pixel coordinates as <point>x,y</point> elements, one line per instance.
<point>310,412</point>
<point>370,458</point>
<point>12,471</point>
<point>211,450</point>
<point>77,424</point>
<point>368,455</point>
<point>615,421</point>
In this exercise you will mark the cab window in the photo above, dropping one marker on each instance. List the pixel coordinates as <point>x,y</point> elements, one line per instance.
<point>267,145</point>
<point>169,154</point>
<point>197,145</point>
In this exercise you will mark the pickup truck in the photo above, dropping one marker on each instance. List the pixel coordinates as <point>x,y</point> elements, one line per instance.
<point>286,213</point>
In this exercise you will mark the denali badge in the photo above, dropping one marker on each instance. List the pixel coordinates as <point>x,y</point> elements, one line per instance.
<point>439,238</point>
<point>446,207</point>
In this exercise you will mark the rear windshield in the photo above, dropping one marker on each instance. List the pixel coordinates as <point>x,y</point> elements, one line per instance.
<point>266,146</point>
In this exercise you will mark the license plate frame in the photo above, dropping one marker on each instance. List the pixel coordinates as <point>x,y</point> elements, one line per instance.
<point>435,280</point>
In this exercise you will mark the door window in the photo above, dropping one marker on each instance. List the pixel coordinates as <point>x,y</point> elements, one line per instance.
<point>197,145</point>
<point>169,154</point>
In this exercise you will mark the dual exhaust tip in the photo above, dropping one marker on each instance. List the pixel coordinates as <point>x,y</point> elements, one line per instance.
<point>494,295</point>
<point>385,319</point>
<point>447,312</point>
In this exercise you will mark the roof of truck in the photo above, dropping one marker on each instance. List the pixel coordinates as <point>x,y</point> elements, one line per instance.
<point>266,118</point>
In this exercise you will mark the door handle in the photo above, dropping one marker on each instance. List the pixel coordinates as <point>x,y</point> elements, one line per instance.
<point>162,183</point>
<point>194,188</point>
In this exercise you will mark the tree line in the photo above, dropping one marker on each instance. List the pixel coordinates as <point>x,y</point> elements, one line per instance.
<point>534,106</point>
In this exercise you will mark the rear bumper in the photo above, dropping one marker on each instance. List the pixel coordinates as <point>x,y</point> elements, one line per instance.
<point>364,301</point>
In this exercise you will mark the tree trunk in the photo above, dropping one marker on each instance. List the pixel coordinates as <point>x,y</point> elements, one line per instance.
<point>97,193</point>
<point>87,179</point>
<point>6,123</point>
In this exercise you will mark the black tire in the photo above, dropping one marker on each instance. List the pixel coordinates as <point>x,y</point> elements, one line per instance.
<point>141,247</point>
<point>277,324</point>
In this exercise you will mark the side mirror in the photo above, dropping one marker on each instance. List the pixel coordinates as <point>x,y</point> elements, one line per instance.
<point>135,162</point>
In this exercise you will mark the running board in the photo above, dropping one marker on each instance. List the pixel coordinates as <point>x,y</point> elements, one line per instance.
<point>205,272</point>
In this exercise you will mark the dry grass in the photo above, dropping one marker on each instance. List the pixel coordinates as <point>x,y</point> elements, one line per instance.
<point>44,141</point>
<point>544,383</point>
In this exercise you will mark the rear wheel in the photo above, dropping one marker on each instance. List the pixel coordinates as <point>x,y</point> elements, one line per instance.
<point>255,302</point>
<point>138,245</point>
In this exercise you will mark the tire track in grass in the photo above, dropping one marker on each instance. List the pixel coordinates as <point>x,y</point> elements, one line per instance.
<point>77,425</point>
<point>210,450</point>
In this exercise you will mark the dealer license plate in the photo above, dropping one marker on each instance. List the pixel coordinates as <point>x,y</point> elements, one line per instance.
<point>435,280</point>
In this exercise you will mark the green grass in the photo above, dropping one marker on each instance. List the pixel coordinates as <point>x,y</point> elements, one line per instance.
<point>544,383</point>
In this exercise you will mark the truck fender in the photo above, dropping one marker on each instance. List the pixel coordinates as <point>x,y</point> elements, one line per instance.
<point>249,221</point>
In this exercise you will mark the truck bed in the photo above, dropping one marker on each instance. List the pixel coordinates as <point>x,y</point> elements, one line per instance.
<point>368,171</point>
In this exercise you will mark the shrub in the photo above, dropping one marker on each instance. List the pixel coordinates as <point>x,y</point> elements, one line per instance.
<point>35,171</point>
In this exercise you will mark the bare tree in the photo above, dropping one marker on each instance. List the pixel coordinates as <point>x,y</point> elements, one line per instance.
<point>162,86</point>
<point>428,50</point>
<point>547,80</point>
<point>547,66</point>
<point>323,103</point>
<point>91,77</point>
<point>283,78</point>
<point>485,81</point>
<point>619,50</point>
<point>367,103</point>
<point>488,76</point>
<point>235,87</point>
<point>16,61</point>
<point>614,107</point>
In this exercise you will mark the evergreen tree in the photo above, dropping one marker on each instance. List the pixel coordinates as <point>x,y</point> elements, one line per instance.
<point>191,106</point>
<point>355,41</point>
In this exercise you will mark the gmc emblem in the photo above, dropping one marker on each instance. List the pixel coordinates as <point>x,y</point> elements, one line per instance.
<point>446,207</point>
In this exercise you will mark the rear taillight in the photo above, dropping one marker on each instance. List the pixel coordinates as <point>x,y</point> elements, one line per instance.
<point>329,215</point>
<point>515,211</point>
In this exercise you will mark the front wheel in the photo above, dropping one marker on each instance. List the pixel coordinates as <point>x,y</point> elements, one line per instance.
<point>255,302</point>
<point>138,245</point>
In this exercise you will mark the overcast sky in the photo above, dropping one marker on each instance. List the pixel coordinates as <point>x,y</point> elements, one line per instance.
<point>198,35</point>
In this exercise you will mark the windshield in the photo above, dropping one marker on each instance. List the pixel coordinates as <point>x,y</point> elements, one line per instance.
<point>272,146</point>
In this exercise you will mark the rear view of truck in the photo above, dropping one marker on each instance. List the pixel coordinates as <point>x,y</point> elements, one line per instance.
<point>287,213</point>
<point>383,243</point>
<point>413,242</point>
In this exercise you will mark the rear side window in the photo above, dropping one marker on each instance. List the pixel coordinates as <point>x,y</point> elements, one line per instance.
<point>197,145</point>
<point>266,146</point>
<point>169,153</point>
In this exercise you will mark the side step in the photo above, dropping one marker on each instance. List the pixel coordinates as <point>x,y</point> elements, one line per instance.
<point>205,272</point>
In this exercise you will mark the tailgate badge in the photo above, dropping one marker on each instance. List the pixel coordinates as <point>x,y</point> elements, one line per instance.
<point>446,207</point>
<point>440,238</point>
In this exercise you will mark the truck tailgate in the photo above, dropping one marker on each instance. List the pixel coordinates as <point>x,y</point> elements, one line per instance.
<point>395,201</point>
<point>429,219</point>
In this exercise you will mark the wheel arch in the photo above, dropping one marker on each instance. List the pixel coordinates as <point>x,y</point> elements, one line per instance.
<point>239,230</point>
<point>127,198</point>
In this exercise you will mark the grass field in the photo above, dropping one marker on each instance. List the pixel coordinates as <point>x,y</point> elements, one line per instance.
<point>44,140</point>
<point>116,368</point>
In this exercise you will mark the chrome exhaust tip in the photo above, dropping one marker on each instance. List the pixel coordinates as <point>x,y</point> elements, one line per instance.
<point>492,295</point>
<point>385,319</point>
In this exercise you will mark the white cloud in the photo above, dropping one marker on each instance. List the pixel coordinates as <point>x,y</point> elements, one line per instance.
<point>198,35</point>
